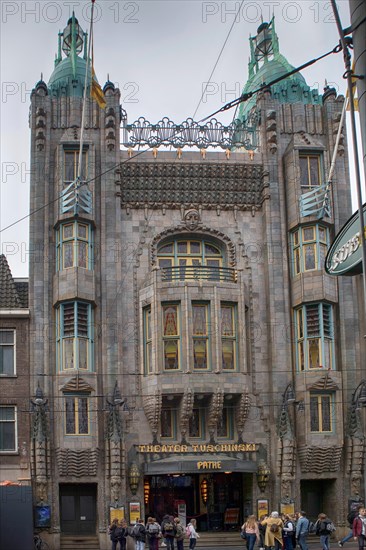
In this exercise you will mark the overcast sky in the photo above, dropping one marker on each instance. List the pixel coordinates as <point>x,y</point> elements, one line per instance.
<point>160,54</point>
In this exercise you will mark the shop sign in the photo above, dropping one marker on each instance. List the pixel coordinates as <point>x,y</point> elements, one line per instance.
<point>203,448</point>
<point>345,254</point>
<point>209,465</point>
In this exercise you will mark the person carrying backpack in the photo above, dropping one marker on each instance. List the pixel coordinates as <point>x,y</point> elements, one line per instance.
<point>324,528</point>
<point>273,535</point>
<point>193,535</point>
<point>139,534</point>
<point>359,528</point>
<point>351,516</point>
<point>122,533</point>
<point>153,533</point>
<point>169,531</point>
<point>180,534</point>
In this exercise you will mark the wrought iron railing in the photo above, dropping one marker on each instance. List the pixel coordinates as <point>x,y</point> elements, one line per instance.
<point>203,272</point>
<point>240,133</point>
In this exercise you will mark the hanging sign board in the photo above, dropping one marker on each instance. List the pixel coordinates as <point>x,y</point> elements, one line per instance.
<point>345,254</point>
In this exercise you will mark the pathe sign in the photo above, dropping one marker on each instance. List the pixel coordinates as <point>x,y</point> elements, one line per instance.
<point>345,255</point>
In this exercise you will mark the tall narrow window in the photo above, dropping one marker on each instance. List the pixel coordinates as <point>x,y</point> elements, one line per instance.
<point>171,337</point>
<point>74,245</point>
<point>168,423</point>
<point>77,415</point>
<point>314,337</point>
<point>321,412</point>
<point>310,170</point>
<point>7,352</point>
<point>74,336</point>
<point>225,426</point>
<point>228,336</point>
<point>196,424</point>
<point>309,247</point>
<point>8,429</point>
<point>71,163</point>
<point>200,335</point>
<point>147,341</point>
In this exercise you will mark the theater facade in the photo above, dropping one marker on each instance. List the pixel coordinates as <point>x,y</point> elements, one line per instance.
<point>191,354</point>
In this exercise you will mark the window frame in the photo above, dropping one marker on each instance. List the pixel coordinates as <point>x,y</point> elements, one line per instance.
<point>311,155</point>
<point>15,422</point>
<point>173,423</point>
<point>64,335</point>
<point>167,338</point>
<point>299,245</point>
<point>74,242</point>
<point>75,152</point>
<point>229,421</point>
<point>76,398</point>
<point>201,337</point>
<point>201,423</point>
<point>7,344</point>
<point>147,342</point>
<point>226,338</point>
<point>325,336</point>
<point>321,398</point>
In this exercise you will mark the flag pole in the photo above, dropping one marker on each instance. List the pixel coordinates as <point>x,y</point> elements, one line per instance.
<point>348,74</point>
<point>84,97</point>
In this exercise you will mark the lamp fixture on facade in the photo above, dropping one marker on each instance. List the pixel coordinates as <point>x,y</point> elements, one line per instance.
<point>263,474</point>
<point>359,395</point>
<point>134,477</point>
<point>288,395</point>
<point>204,490</point>
<point>146,491</point>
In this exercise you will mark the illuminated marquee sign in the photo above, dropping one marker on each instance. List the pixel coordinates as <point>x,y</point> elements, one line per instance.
<point>345,255</point>
<point>203,448</point>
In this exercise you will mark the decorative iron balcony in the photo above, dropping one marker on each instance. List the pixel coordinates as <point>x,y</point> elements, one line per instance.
<point>189,133</point>
<point>199,272</point>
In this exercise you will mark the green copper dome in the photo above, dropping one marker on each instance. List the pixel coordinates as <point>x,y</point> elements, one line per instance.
<point>267,64</point>
<point>68,77</point>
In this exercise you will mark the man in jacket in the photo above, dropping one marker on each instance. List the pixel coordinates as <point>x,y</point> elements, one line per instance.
<point>359,528</point>
<point>302,530</point>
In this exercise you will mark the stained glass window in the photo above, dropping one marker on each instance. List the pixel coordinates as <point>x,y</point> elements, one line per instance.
<point>76,415</point>
<point>315,337</point>
<point>228,336</point>
<point>171,337</point>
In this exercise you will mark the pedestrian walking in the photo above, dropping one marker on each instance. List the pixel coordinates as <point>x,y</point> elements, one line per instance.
<point>351,516</point>
<point>302,530</point>
<point>122,534</point>
<point>153,533</point>
<point>324,527</point>
<point>113,533</point>
<point>139,534</point>
<point>251,530</point>
<point>288,532</point>
<point>180,534</point>
<point>273,535</point>
<point>359,528</point>
<point>168,530</point>
<point>193,535</point>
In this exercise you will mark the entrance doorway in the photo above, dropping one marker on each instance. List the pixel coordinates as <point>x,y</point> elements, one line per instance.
<point>230,491</point>
<point>78,508</point>
<point>318,495</point>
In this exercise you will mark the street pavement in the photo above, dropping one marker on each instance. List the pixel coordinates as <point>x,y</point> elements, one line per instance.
<point>313,544</point>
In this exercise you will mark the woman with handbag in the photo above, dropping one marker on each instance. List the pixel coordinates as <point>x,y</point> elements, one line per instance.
<point>251,532</point>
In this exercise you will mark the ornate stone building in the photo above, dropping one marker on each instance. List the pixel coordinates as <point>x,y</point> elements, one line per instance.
<point>195,356</point>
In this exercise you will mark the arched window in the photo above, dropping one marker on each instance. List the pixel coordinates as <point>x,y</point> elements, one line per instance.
<point>193,259</point>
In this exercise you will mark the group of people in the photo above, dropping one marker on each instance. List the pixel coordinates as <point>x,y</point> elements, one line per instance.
<point>169,534</point>
<point>288,531</point>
